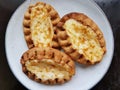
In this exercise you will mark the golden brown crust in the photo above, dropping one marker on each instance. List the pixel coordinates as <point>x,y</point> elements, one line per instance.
<point>55,18</point>
<point>67,46</point>
<point>58,57</point>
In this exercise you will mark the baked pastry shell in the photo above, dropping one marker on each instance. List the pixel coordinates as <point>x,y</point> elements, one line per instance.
<point>55,18</point>
<point>67,45</point>
<point>57,56</point>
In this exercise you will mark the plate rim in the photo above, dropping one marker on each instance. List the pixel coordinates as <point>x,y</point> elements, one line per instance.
<point>105,17</point>
<point>102,12</point>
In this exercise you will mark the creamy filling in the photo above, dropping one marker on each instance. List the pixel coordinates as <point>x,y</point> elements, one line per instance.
<point>84,39</point>
<point>41,27</point>
<point>47,69</point>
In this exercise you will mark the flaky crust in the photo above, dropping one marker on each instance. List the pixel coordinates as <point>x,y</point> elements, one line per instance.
<point>26,24</point>
<point>67,46</point>
<point>47,53</point>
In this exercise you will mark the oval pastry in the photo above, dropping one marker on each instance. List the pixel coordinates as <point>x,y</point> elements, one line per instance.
<point>47,65</point>
<point>81,38</point>
<point>39,26</point>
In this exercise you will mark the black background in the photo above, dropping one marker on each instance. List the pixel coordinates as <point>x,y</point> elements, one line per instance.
<point>111,80</point>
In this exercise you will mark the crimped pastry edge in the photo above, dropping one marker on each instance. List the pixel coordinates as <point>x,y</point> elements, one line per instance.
<point>26,25</point>
<point>67,46</point>
<point>41,53</point>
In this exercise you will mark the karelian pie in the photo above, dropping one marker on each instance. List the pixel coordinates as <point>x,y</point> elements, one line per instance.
<point>39,26</point>
<point>47,65</point>
<point>81,38</point>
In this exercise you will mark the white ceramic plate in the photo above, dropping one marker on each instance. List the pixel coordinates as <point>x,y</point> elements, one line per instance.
<point>85,77</point>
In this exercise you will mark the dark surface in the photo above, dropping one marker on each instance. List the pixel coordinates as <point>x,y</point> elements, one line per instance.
<point>111,80</point>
